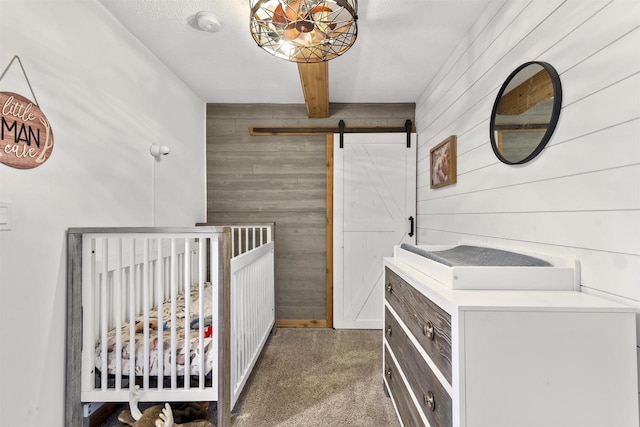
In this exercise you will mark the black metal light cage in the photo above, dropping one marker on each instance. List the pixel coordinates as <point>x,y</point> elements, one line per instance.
<point>304,30</point>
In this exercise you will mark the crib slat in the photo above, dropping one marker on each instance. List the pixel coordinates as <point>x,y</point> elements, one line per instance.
<point>103,313</point>
<point>160,308</point>
<point>174,291</point>
<point>145,311</point>
<point>187,313</point>
<point>132,311</point>
<point>118,277</point>
<point>245,319</point>
<point>236,313</point>
<point>201,296</point>
<point>255,291</point>
<point>215,303</point>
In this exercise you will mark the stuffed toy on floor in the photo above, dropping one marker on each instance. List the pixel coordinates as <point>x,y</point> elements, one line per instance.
<point>185,414</point>
<point>166,420</point>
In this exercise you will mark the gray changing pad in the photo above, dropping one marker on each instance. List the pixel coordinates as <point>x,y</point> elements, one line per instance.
<point>465,255</point>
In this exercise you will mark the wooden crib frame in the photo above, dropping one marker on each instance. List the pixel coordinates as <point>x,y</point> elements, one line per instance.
<point>237,261</point>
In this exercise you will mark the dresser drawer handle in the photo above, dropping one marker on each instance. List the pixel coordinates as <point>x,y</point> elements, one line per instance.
<point>429,401</point>
<point>389,287</point>
<point>389,330</point>
<point>428,331</point>
<point>388,373</point>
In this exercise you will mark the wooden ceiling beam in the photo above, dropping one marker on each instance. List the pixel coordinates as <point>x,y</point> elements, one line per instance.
<point>527,95</point>
<point>315,87</point>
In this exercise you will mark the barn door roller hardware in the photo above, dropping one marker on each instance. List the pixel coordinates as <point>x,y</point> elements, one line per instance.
<point>407,129</point>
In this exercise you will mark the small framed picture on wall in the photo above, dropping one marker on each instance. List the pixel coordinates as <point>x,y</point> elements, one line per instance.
<point>443,163</point>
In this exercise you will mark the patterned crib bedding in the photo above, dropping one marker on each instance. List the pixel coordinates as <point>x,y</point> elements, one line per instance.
<point>194,340</point>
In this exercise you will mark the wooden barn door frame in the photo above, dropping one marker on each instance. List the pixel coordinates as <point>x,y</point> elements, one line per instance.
<point>329,141</point>
<point>329,210</point>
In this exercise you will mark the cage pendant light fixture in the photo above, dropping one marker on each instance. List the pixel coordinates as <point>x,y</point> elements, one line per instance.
<point>304,30</point>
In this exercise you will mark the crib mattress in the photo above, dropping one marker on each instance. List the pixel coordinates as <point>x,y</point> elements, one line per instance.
<point>167,329</point>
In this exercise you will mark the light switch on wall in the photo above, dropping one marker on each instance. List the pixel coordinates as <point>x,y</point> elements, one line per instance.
<point>5,216</point>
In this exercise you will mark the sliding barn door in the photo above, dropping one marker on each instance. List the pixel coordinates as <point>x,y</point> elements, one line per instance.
<point>374,197</point>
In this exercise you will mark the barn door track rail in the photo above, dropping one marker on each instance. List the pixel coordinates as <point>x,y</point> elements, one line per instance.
<point>341,129</point>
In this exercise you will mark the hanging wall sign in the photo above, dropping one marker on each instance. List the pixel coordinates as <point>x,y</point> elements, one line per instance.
<point>26,140</point>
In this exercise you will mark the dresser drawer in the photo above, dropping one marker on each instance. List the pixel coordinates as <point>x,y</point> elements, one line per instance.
<point>428,323</point>
<point>434,400</point>
<point>406,409</point>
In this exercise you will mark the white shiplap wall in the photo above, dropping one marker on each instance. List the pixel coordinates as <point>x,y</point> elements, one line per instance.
<point>581,197</point>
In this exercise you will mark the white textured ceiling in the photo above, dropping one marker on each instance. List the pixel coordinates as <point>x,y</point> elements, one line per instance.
<point>401,45</point>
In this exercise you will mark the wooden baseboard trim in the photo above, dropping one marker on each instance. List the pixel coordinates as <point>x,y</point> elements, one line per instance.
<point>301,323</point>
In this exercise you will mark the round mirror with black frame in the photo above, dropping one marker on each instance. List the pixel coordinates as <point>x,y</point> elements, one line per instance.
<point>525,112</point>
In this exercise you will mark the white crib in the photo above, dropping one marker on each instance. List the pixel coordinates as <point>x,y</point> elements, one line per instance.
<point>182,313</point>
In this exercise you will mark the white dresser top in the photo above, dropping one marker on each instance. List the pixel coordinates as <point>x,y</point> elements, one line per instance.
<point>452,300</point>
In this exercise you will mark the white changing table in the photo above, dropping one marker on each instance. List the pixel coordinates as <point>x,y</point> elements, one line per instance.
<point>505,358</point>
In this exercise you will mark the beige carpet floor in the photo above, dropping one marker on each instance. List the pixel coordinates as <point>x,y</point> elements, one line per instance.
<point>316,377</point>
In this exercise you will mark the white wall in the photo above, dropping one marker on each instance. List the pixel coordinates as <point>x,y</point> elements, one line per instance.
<point>581,197</point>
<point>107,99</point>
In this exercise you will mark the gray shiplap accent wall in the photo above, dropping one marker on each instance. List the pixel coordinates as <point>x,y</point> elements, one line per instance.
<point>581,197</point>
<point>281,179</point>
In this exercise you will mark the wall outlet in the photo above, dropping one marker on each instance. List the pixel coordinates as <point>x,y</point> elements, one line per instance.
<point>5,216</point>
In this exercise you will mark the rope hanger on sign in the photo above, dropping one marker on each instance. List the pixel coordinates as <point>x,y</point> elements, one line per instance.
<point>25,76</point>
